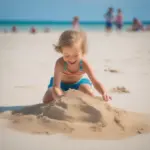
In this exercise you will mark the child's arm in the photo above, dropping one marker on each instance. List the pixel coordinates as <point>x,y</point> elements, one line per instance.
<point>56,90</point>
<point>97,84</point>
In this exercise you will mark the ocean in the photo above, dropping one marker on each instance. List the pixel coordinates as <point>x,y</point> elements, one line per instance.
<point>56,26</point>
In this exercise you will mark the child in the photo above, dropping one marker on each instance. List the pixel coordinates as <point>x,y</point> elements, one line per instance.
<point>119,20</point>
<point>70,68</point>
<point>75,23</point>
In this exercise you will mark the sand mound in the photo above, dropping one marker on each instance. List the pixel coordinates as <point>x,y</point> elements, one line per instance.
<point>79,115</point>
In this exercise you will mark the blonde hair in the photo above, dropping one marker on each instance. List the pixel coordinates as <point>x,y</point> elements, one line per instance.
<point>69,38</point>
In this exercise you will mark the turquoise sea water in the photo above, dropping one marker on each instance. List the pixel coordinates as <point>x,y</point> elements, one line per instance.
<point>55,26</point>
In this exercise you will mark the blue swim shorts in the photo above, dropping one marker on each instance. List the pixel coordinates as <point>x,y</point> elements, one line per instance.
<point>67,86</point>
<point>108,24</point>
<point>119,25</point>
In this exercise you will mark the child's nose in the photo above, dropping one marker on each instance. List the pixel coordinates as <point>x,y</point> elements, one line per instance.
<point>72,59</point>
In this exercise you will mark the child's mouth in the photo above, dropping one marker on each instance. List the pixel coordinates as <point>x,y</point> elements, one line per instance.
<point>72,62</point>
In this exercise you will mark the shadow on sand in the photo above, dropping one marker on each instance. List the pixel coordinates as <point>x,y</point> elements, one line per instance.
<point>26,110</point>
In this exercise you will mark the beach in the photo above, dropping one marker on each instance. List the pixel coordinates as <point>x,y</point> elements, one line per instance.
<point>121,61</point>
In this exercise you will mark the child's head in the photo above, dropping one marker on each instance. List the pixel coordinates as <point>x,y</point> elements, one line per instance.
<point>76,18</point>
<point>72,44</point>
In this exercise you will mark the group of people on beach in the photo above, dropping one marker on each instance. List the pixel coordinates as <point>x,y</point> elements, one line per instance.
<point>32,30</point>
<point>110,19</point>
<point>138,26</point>
<point>117,20</point>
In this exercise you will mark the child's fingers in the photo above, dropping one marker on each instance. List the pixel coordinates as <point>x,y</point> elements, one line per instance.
<point>107,98</point>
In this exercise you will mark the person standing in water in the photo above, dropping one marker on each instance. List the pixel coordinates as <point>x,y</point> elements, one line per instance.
<point>119,20</point>
<point>75,23</point>
<point>109,19</point>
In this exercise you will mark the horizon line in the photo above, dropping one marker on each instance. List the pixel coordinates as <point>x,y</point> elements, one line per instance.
<point>15,21</point>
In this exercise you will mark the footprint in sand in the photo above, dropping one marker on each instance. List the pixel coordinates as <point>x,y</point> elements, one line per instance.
<point>140,131</point>
<point>121,89</point>
<point>111,70</point>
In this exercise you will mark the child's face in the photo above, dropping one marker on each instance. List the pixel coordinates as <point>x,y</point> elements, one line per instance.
<point>72,55</point>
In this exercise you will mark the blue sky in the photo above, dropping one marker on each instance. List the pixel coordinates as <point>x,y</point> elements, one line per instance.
<point>64,10</point>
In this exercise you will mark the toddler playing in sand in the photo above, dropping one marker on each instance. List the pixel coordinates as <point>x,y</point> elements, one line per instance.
<point>70,68</point>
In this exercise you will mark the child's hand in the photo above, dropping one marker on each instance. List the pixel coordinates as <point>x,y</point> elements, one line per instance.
<point>106,97</point>
<point>58,91</point>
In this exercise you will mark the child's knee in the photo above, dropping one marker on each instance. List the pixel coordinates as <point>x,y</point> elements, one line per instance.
<point>86,89</point>
<point>48,96</point>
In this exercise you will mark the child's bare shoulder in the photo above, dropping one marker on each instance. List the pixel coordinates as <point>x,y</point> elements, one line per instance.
<point>86,65</point>
<point>60,62</point>
<point>85,62</point>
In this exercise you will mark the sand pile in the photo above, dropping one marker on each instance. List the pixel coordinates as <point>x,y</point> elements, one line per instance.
<point>79,115</point>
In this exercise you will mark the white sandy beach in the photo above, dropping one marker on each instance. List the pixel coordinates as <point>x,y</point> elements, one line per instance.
<point>26,64</point>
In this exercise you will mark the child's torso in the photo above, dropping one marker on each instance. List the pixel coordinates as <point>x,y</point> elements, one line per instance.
<point>72,75</point>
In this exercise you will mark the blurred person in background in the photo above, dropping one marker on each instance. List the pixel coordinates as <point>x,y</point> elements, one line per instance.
<point>136,25</point>
<point>75,23</point>
<point>119,20</point>
<point>109,19</point>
